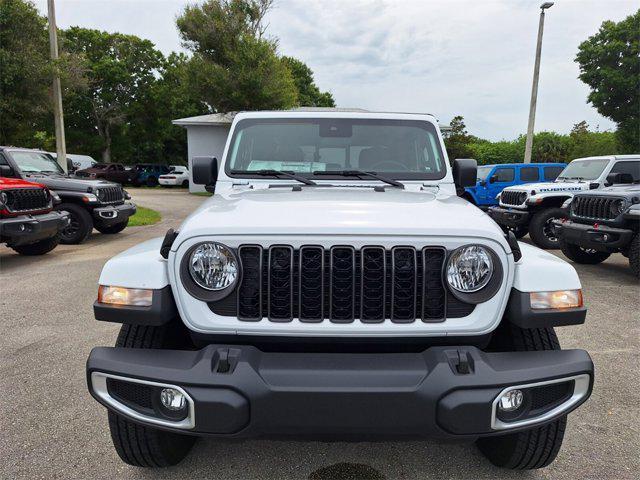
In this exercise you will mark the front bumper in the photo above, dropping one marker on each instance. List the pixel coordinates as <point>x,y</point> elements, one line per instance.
<point>114,214</point>
<point>242,392</point>
<point>602,238</point>
<point>509,217</point>
<point>28,229</point>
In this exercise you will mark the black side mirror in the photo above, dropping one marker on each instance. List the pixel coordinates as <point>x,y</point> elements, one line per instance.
<point>465,173</point>
<point>494,178</point>
<point>205,172</point>
<point>6,171</point>
<point>619,178</point>
<point>482,183</point>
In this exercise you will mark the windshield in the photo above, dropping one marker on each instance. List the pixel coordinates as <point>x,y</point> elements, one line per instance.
<point>483,172</point>
<point>583,170</point>
<point>398,148</point>
<point>35,162</point>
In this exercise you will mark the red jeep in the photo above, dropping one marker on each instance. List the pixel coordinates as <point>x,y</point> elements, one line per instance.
<point>28,223</point>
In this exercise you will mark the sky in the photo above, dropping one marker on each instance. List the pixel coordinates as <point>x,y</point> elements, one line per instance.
<point>445,57</point>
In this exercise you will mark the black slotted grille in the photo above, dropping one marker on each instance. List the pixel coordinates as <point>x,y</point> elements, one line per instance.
<point>404,284</point>
<point>342,295</point>
<point>372,284</point>
<point>27,199</point>
<point>110,194</point>
<point>597,208</point>
<point>342,285</point>
<point>513,198</point>
<point>280,283</point>
<point>311,278</point>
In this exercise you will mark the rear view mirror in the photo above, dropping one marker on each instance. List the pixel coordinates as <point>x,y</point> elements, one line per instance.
<point>619,178</point>
<point>205,172</point>
<point>465,172</point>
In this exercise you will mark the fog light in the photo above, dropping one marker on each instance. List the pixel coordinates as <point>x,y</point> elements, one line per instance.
<point>172,399</point>
<point>511,400</point>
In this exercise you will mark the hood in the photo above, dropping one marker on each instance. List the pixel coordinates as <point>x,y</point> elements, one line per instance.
<point>338,211</point>
<point>61,182</point>
<point>546,187</point>
<point>616,191</point>
<point>9,183</point>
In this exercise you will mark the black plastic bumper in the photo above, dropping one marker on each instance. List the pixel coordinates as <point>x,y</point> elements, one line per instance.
<point>509,216</point>
<point>242,392</point>
<point>114,214</point>
<point>602,237</point>
<point>28,229</point>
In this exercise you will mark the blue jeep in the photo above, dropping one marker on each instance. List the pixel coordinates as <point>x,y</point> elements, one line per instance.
<point>493,178</point>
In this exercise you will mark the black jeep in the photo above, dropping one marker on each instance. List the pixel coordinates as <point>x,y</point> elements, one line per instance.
<point>91,203</point>
<point>603,222</point>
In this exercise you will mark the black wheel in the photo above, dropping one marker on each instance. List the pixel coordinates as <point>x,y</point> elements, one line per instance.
<point>111,229</point>
<point>586,256</point>
<point>519,232</point>
<point>537,447</point>
<point>185,184</point>
<point>634,255</point>
<point>38,248</point>
<point>136,444</point>
<point>152,181</point>
<point>80,224</point>
<point>541,228</point>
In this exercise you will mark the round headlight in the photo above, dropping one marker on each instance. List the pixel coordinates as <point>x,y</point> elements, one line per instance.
<point>213,266</point>
<point>617,207</point>
<point>469,268</point>
<point>3,199</point>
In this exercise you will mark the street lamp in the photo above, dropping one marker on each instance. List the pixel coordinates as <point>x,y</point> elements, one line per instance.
<point>534,88</point>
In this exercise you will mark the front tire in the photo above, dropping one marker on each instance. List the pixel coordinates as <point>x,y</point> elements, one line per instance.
<point>136,444</point>
<point>38,248</point>
<point>634,255</point>
<point>112,229</point>
<point>185,184</point>
<point>80,224</point>
<point>536,447</point>
<point>541,228</point>
<point>585,256</point>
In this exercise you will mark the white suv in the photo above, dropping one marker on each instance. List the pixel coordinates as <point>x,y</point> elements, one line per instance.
<point>533,207</point>
<point>336,287</point>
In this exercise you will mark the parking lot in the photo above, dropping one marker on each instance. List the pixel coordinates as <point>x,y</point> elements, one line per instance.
<point>52,428</point>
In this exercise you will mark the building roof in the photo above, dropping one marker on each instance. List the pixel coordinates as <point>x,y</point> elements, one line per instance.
<point>220,119</point>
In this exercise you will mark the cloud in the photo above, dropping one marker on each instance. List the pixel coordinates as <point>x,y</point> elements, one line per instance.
<point>442,57</point>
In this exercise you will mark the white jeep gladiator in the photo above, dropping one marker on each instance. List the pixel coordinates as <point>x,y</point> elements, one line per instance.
<point>533,208</point>
<point>335,287</point>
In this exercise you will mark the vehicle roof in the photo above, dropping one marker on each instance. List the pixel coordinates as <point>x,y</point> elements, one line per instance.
<point>534,164</point>
<point>336,113</point>
<point>633,156</point>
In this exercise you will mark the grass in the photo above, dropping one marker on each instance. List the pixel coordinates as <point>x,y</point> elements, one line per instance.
<point>202,194</point>
<point>144,216</point>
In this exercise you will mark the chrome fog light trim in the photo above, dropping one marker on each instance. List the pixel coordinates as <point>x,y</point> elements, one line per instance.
<point>580,391</point>
<point>99,387</point>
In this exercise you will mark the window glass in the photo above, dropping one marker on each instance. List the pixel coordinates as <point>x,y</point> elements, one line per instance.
<point>403,149</point>
<point>529,174</point>
<point>35,162</point>
<point>483,172</point>
<point>504,175</point>
<point>3,161</point>
<point>584,170</point>
<point>551,173</point>
<point>632,168</point>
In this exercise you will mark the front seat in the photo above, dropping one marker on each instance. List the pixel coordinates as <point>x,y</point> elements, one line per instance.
<point>370,157</point>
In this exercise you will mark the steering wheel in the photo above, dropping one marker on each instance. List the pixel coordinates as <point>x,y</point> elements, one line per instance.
<point>395,166</point>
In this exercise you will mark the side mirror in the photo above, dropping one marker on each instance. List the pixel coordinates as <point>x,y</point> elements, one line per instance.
<point>465,172</point>
<point>494,178</point>
<point>205,172</point>
<point>6,171</point>
<point>619,178</point>
<point>482,183</point>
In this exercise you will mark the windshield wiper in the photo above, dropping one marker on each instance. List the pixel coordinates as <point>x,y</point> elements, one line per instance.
<point>276,173</point>
<point>358,174</point>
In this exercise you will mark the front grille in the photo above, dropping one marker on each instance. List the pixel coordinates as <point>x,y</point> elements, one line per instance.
<point>342,285</point>
<point>110,194</point>
<point>513,198</point>
<point>27,200</point>
<point>135,395</point>
<point>597,208</point>
<point>548,396</point>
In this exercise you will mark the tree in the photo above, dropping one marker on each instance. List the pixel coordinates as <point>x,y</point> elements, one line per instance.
<point>234,66</point>
<point>585,143</point>
<point>25,73</point>
<point>457,140</point>
<point>120,72</point>
<point>609,64</point>
<point>309,95</point>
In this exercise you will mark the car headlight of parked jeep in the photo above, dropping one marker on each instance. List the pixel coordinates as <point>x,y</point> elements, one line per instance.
<point>617,208</point>
<point>473,273</point>
<point>210,271</point>
<point>3,199</point>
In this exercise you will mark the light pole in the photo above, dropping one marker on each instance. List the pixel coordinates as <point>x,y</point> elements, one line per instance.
<point>534,87</point>
<point>61,150</point>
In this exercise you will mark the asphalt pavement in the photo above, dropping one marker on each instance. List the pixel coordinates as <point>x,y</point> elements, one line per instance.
<point>52,428</point>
